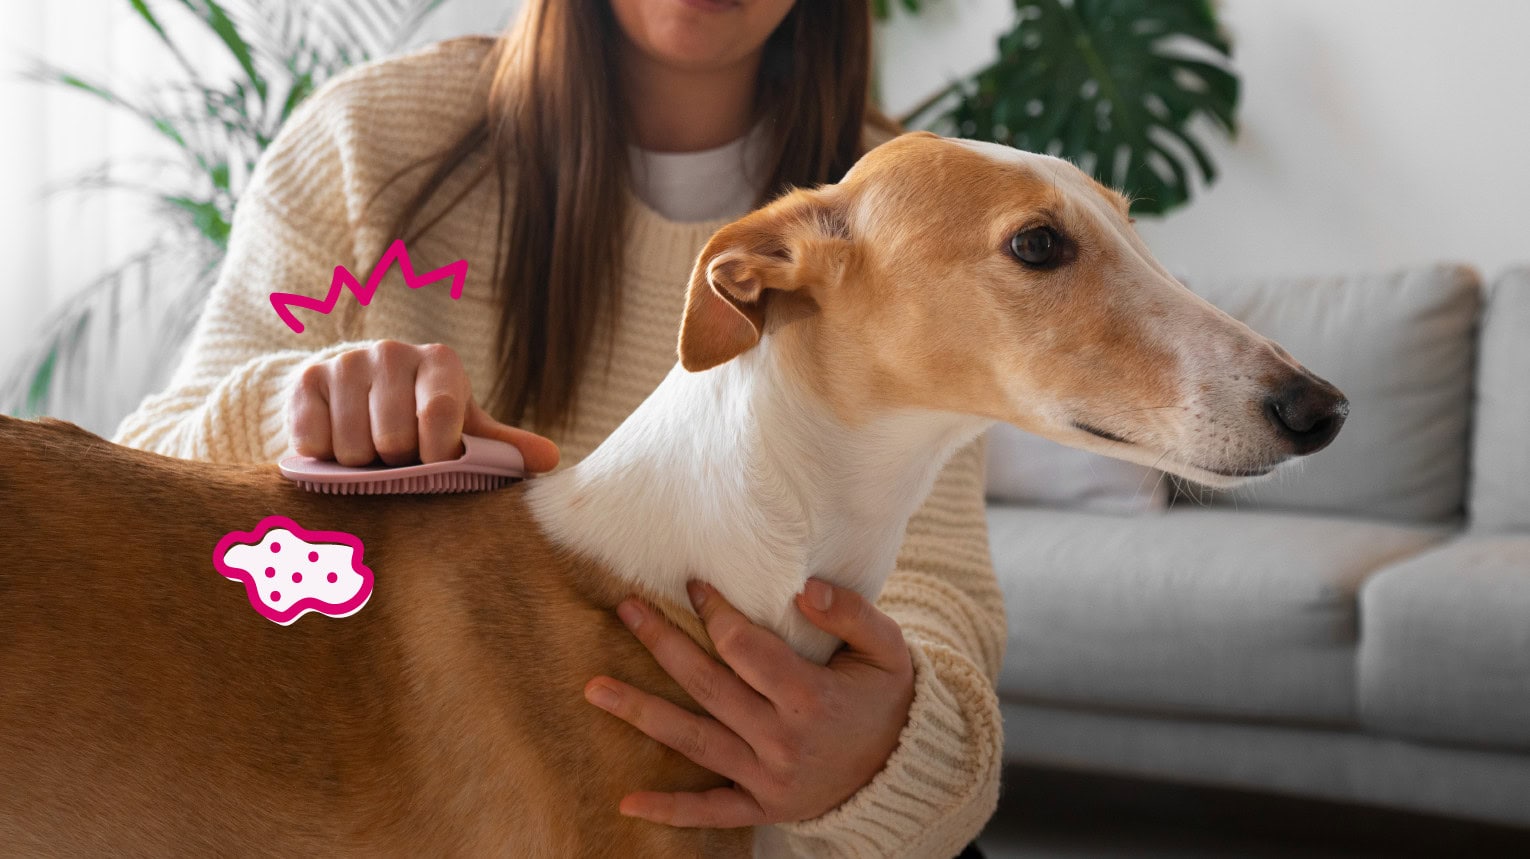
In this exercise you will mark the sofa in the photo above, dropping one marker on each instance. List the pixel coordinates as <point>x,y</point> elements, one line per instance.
<point>1355,629</point>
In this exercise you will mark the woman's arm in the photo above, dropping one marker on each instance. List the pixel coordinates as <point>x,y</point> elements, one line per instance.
<point>227,400</point>
<point>941,783</point>
<point>891,749</point>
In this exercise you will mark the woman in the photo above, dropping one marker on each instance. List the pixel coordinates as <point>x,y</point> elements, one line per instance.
<point>579,163</point>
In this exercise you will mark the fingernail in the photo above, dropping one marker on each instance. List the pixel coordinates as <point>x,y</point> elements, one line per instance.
<point>602,696</point>
<point>631,614</point>
<point>819,595</point>
<point>698,593</point>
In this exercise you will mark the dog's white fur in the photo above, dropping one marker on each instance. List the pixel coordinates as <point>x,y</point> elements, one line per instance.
<point>665,499</point>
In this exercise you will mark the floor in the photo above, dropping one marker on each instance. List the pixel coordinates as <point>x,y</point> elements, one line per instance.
<point>1059,815</point>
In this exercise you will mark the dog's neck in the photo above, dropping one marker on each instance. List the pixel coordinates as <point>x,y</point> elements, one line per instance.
<point>738,477</point>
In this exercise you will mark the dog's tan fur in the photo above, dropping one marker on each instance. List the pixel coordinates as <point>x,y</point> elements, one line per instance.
<point>147,709</point>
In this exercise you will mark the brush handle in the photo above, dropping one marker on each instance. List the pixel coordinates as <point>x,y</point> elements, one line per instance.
<point>480,456</point>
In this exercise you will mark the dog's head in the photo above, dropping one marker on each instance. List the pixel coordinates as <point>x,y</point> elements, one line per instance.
<point>973,278</point>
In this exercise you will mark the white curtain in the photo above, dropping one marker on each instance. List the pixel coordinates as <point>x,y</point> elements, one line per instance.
<point>54,241</point>
<point>55,238</point>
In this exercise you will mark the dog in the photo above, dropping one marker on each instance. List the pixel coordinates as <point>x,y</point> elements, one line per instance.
<point>837,346</point>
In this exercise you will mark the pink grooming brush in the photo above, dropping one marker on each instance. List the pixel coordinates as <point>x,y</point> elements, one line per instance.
<point>484,464</point>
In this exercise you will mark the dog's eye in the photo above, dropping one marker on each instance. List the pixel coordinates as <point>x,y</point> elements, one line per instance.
<point>1037,247</point>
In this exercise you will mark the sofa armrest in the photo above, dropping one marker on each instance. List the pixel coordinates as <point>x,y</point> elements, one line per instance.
<point>1500,484</point>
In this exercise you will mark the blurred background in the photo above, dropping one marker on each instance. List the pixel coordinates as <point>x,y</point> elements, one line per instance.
<point>1370,206</point>
<point>1373,133</point>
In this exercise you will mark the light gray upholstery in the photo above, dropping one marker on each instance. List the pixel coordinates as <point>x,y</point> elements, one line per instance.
<point>1446,651</point>
<point>1028,469</point>
<point>1339,765</point>
<point>1401,346</point>
<point>1501,456</point>
<point>1205,611</point>
<point>1370,644</point>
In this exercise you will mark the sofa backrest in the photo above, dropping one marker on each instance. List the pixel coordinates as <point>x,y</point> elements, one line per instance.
<point>1402,347</point>
<point>1500,487</point>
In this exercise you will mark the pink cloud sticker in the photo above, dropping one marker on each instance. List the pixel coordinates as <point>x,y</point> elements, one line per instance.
<point>289,570</point>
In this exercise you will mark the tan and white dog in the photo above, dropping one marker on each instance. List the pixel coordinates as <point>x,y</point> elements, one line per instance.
<point>837,346</point>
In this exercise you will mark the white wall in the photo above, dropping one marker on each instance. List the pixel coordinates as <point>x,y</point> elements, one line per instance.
<point>1376,133</point>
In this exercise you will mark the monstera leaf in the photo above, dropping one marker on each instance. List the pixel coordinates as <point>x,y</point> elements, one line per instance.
<point>1114,85</point>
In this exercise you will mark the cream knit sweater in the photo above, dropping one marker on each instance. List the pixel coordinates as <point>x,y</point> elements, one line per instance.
<point>306,212</point>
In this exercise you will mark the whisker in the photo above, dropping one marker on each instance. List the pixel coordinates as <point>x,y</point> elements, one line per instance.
<point>1156,483</point>
<point>1142,409</point>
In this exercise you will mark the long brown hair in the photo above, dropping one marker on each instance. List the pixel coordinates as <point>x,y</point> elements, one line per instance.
<point>557,130</point>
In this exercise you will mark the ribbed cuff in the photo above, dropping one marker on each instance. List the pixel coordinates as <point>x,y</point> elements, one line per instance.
<point>941,783</point>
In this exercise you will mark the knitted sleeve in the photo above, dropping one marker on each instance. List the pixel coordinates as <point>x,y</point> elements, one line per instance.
<point>227,400</point>
<point>941,783</point>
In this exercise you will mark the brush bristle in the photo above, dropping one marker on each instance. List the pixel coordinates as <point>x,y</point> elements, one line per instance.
<point>434,484</point>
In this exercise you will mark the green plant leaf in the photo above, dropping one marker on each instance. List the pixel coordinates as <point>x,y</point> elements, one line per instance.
<point>156,120</point>
<point>142,9</point>
<point>882,9</point>
<point>217,20</point>
<point>40,384</point>
<point>206,217</point>
<point>1117,86</point>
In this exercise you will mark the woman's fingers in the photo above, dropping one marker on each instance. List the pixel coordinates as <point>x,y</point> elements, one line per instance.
<point>538,452</point>
<point>400,403</point>
<point>814,737</point>
<point>870,634</point>
<point>762,658</point>
<point>391,401</point>
<point>710,683</point>
<point>441,400</point>
<point>350,383</point>
<point>309,413</point>
<point>719,808</point>
<point>703,741</point>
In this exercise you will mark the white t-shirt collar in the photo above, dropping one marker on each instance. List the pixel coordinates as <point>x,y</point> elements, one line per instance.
<point>701,186</point>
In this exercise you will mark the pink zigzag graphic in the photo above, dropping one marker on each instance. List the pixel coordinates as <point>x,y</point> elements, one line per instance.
<point>343,279</point>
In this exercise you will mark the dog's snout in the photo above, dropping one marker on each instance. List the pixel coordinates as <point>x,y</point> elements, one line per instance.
<point>1307,412</point>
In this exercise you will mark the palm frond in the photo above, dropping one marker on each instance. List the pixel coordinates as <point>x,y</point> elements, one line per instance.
<point>80,369</point>
<point>148,16</point>
<point>280,53</point>
<point>210,13</point>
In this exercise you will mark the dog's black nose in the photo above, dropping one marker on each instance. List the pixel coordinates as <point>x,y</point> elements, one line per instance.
<point>1307,412</point>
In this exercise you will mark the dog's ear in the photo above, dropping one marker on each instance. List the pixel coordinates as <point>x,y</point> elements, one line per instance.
<point>796,244</point>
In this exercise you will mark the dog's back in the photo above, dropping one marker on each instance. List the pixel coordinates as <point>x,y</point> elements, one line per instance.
<point>147,709</point>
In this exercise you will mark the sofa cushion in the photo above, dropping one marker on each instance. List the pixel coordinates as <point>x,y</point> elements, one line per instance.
<point>1446,652</point>
<point>1401,347</point>
<point>1024,468</point>
<point>1501,443</point>
<point>1194,611</point>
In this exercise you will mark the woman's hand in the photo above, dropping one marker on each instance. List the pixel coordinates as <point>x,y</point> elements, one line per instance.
<point>797,739</point>
<point>400,403</point>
